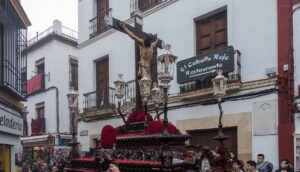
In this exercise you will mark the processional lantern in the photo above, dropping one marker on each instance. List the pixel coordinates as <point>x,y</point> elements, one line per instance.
<point>145,86</point>
<point>219,85</point>
<point>156,94</point>
<point>166,63</point>
<point>119,87</point>
<point>73,99</point>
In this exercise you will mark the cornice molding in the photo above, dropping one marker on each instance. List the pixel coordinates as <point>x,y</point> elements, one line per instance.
<point>232,87</point>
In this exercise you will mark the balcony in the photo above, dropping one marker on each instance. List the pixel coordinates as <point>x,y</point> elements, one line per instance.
<point>101,102</point>
<point>12,58</point>
<point>98,25</point>
<point>38,126</point>
<point>36,84</point>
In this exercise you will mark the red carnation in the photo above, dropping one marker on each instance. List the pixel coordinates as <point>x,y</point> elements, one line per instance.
<point>132,117</point>
<point>142,116</point>
<point>158,127</point>
<point>138,117</point>
<point>108,137</point>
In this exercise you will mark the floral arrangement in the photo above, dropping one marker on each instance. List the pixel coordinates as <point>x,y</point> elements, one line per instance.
<point>139,117</point>
<point>108,137</point>
<point>158,127</point>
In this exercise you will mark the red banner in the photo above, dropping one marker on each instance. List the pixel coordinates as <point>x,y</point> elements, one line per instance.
<point>34,84</point>
<point>37,126</point>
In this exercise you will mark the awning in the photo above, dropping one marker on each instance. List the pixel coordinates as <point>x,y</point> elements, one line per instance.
<point>42,140</point>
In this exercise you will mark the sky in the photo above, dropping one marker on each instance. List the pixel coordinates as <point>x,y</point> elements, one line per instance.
<point>42,13</point>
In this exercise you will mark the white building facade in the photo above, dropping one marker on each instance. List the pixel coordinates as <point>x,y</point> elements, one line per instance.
<point>251,104</point>
<point>52,65</point>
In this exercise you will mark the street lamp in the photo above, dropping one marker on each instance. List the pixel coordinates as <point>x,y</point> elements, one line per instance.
<point>166,64</point>
<point>119,93</point>
<point>219,86</point>
<point>73,105</point>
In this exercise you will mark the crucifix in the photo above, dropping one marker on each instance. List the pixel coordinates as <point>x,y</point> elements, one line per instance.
<point>145,48</point>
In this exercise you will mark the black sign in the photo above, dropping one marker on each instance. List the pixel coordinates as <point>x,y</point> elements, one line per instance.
<point>205,65</point>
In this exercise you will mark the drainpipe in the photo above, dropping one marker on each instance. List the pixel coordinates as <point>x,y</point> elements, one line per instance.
<point>57,106</point>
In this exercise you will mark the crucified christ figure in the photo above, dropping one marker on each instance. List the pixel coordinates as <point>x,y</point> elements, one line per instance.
<point>147,47</point>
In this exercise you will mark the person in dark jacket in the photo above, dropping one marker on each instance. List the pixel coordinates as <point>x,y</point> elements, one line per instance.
<point>262,165</point>
<point>285,166</point>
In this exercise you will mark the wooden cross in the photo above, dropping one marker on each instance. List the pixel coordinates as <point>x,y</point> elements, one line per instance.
<point>137,30</point>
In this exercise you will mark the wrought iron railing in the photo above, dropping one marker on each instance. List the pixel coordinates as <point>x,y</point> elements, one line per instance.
<point>70,33</point>
<point>13,61</point>
<point>101,99</point>
<point>98,25</point>
<point>65,31</point>
<point>40,36</point>
<point>144,5</point>
<point>130,90</point>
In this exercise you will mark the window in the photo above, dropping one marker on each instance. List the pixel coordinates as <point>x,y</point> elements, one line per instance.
<point>211,33</point>
<point>147,4</point>
<point>73,77</point>
<point>40,110</point>
<point>98,24</point>
<point>40,66</point>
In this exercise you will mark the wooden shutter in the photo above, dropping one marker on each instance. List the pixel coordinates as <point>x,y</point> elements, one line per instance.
<point>211,33</point>
<point>102,8</point>
<point>102,80</point>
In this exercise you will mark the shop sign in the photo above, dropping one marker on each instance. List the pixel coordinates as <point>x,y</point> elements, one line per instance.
<point>205,65</point>
<point>10,123</point>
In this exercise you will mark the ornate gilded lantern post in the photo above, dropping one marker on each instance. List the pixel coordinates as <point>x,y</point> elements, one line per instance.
<point>119,93</point>
<point>166,64</point>
<point>119,89</point>
<point>219,86</point>
<point>73,106</point>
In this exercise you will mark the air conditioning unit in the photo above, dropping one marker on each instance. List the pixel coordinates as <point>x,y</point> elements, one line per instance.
<point>271,72</point>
